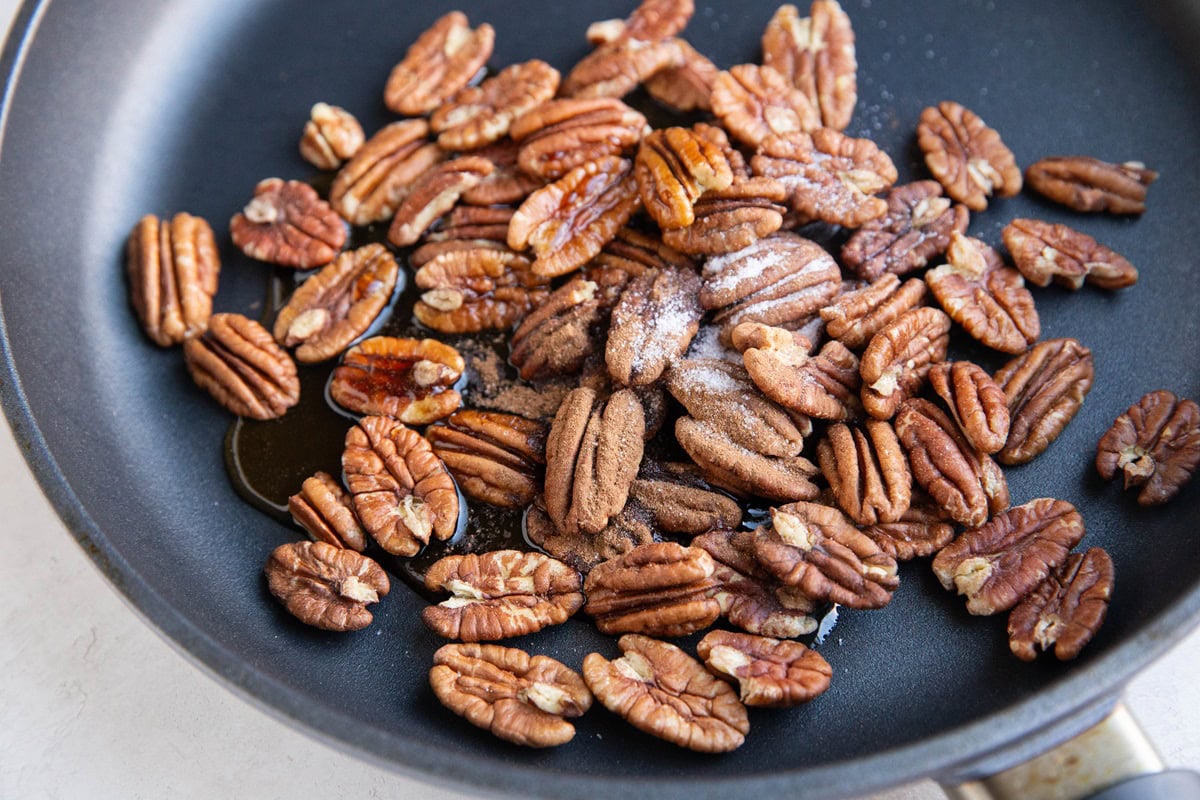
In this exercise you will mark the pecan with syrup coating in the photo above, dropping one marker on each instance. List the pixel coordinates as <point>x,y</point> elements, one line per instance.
<point>1089,184</point>
<point>755,102</point>
<point>562,134</point>
<point>409,379</point>
<point>966,156</point>
<point>742,470</point>
<point>1066,610</point>
<point>627,530</point>
<point>681,502</point>
<point>402,492</point>
<point>658,589</point>
<point>916,228</point>
<point>920,531</point>
<point>731,219</point>
<point>770,673</point>
<point>286,223</point>
<point>477,288</point>
<point>238,363</point>
<point>499,595</point>
<point>856,316</point>
<point>975,401</point>
<point>480,115</point>
<point>520,698</point>
<point>816,53</point>
<point>1155,444</point>
<point>998,564</point>
<point>325,586</point>
<point>338,304</point>
<point>1044,388</point>
<point>324,509</point>
<point>1045,252</point>
<point>443,59</point>
<point>433,194</point>
<point>822,386</point>
<point>331,136</point>
<point>898,358</point>
<point>867,471</point>
<point>661,690</point>
<point>673,168</point>
<point>496,458</point>
<point>652,325</point>
<point>172,268</point>
<point>370,186</point>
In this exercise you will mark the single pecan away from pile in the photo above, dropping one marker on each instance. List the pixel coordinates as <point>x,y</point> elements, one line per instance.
<point>915,229</point>
<point>1044,389</point>
<point>495,458</point>
<point>331,136</point>
<point>1066,610</point>
<point>439,63</point>
<point>287,223</point>
<point>1045,252</point>
<point>409,379</point>
<point>816,53</point>
<point>172,268</point>
<point>324,509</point>
<point>238,363</point>
<point>1155,444</point>
<point>658,589</point>
<point>1089,184</point>
<point>770,673</point>
<point>966,156</point>
<point>325,586</point>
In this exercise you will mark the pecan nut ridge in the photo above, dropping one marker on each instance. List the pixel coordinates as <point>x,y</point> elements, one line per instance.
<point>1066,610</point>
<point>975,401</point>
<point>369,187</point>
<point>652,325</point>
<point>966,156</point>
<point>325,586</point>
<point>481,115</point>
<point>897,360</point>
<point>755,102</point>
<point>238,363</point>
<point>433,194</point>
<point>921,531</point>
<point>286,223</point>
<point>915,229</point>
<point>172,268</point>
<point>495,458</point>
<point>1155,444</point>
<point>674,167</point>
<point>742,471</point>
<point>822,386</point>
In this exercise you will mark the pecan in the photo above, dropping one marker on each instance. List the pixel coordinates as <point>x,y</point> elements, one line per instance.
<point>652,325</point>
<point>856,316</point>
<point>655,20</point>
<point>172,268</point>
<point>741,470</point>
<point>1044,388</point>
<point>661,690</point>
<point>560,135</point>
<point>325,586</point>
<point>467,228</point>
<point>986,297</point>
<point>755,102</point>
<point>818,550</point>
<point>560,334</point>
<point>658,589</point>
<point>477,288</point>
<point>832,177</point>
<point>966,156</point>
<point>409,379</point>
<point>286,223</point>
<point>770,673</point>
<point>635,253</point>
<point>867,471</point>
<point>239,364</point>
<point>439,63</point>
<point>998,564</point>
<point>625,531</point>
<point>331,136</point>
<point>731,219</point>
<point>673,168</point>
<point>506,183</point>
<point>919,532</point>
<point>816,54</point>
<point>567,222</point>
<point>370,186</point>
<point>1089,184</point>
<point>687,87</point>
<point>1045,252</point>
<point>898,358</point>
<point>324,509</point>
<point>433,194</point>
<point>615,70</point>
<point>520,698</point>
<point>402,492</point>
<point>1066,610</point>
<point>1155,444</point>
<point>975,401</point>
<point>681,502</point>
<point>824,386</point>
<point>496,458</point>
<point>592,456</point>
<point>499,595</point>
<point>338,304</point>
<point>916,227</point>
<point>482,114</point>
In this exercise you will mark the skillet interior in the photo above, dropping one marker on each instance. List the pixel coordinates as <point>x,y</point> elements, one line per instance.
<point>141,107</point>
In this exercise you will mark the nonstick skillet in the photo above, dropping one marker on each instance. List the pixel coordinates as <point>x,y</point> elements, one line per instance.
<point>117,109</point>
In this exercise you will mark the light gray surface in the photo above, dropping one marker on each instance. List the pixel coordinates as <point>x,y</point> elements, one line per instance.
<point>93,703</point>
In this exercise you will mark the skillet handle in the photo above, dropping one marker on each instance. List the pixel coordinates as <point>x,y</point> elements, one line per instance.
<point>1112,760</point>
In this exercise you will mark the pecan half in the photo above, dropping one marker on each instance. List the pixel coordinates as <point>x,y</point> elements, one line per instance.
<point>439,63</point>
<point>975,401</point>
<point>469,228</point>
<point>823,386</point>
<point>986,297</point>
<point>506,183</point>
<point>338,304</point>
<point>681,502</point>
<point>770,673</point>
<point>659,589</point>
<point>1066,610</point>
<point>592,456</point>
<point>325,586</point>
<point>832,177</point>
<point>920,531</point>
<point>915,229</point>
<point>655,20</point>
<point>433,194</point>
<point>286,223</point>
<point>1045,252</point>
<point>499,595</point>
<point>409,379</point>
<point>402,492</point>
<point>856,316</point>
<point>520,698</point>
<point>687,87</point>
<point>731,219</point>
<point>624,532</point>
<point>239,364</point>
<point>1155,444</point>
<point>567,222</point>
<point>1044,389</point>
<point>966,156</point>
<point>561,333</point>
<point>816,53</point>
<point>998,564</point>
<point>755,102</point>
<point>496,458</point>
<point>562,134</point>
<point>867,471</point>
<point>331,136</point>
<point>673,168</point>
<point>482,114</point>
<point>965,483</point>
<point>172,268</point>
<point>661,690</point>
<point>634,253</point>
<point>615,70</point>
<point>652,325</point>
<point>324,509</point>
<point>743,471</point>
<point>477,288</point>
<point>370,186</point>
<point>897,360</point>
<point>1089,184</point>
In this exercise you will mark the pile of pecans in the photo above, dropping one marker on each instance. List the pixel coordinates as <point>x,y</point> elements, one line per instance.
<point>712,351</point>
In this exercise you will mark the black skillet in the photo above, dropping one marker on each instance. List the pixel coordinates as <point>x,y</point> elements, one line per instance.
<point>121,108</point>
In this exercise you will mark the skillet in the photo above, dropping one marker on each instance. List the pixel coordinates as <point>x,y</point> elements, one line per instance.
<point>118,109</point>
